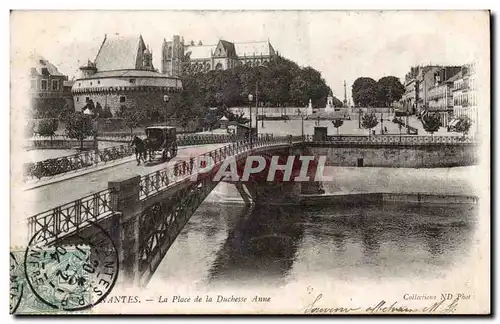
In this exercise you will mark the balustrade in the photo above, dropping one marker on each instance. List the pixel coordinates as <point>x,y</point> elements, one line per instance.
<point>51,167</point>
<point>71,216</point>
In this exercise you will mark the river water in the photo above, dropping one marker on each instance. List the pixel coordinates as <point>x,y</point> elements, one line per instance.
<point>227,245</point>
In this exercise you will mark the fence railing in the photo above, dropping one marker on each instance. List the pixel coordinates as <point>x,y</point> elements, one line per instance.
<point>397,140</point>
<point>182,139</point>
<point>157,181</point>
<point>51,167</point>
<point>69,217</point>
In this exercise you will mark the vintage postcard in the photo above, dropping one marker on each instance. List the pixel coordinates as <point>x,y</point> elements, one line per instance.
<point>250,162</point>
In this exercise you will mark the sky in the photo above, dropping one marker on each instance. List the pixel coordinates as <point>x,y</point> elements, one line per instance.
<point>341,45</point>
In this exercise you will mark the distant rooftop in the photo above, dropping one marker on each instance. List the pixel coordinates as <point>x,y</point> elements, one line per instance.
<point>120,53</point>
<point>38,62</point>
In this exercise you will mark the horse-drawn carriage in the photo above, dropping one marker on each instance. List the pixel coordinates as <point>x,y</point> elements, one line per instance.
<point>161,139</point>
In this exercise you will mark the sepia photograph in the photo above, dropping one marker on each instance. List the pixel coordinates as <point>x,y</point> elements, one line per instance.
<point>224,162</point>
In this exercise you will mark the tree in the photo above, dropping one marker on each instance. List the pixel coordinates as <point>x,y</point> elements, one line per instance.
<point>463,125</point>
<point>47,127</point>
<point>431,123</point>
<point>369,121</point>
<point>389,89</point>
<point>364,92</point>
<point>211,118</point>
<point>133,118</point>
<point>337,123</point>
<point>79,126</point>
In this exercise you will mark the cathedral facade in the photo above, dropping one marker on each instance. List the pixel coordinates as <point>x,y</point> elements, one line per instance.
<point>179,58</point>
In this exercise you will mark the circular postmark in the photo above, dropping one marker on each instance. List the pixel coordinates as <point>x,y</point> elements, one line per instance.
<point>16,284</point>
<point>72,273</point>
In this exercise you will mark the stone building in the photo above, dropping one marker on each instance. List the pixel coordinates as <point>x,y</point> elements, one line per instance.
<point>465,95</point>
<point>425,80</point>
<point>178,57</point>
<point>440,96</point>
<point>47,88</point>
<point>122,76</point>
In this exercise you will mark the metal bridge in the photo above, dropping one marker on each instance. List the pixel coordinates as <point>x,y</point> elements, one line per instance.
<point>148,212</point>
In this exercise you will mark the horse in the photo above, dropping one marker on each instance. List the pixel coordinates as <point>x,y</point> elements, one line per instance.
<point>140,149</point>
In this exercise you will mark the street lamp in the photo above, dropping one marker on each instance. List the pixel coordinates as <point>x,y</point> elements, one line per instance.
<point>382,123</point>
<point>262,109</point>
<point>90,114</point>
<point>250,99</point>
<point>166,99</point>
<point>302,115</point>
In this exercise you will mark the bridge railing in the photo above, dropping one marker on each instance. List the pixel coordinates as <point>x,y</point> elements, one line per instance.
<point>51,167</point>
<point>69,217</point>
<point>395,139</point>
<point>157,181</point>
<point>182,139</point>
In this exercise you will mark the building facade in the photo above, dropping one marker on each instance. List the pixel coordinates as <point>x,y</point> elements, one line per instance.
<point>409,98</point>
<point>440,98</point>
<point>179,58</point>
<point>465,95</point>
<point>122,77</point>
<point>425,79</point>
<point>47,88</point>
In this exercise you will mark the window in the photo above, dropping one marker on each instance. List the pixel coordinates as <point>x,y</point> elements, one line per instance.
<point>45,71</point>
<point>132,80</point>
<point>33,71</point>
<point>98,82</point>
<point>90,83</point>
<point>55,84</point>
<point>79,84</point>
<point>122,98</point>
<point>44,84</point>
<point>77,99</point>
<point>33,84</point>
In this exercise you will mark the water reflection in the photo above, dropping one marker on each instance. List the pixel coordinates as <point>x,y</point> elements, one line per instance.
<point>228,244</point>
<point>261,246</point>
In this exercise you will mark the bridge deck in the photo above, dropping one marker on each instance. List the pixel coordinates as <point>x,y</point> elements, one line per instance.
<point>43,198</point>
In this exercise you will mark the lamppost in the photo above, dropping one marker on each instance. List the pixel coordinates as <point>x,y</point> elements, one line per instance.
<point>90,114</point>
<point>166,99</point>
<point>359,117</point>
<point>250,99</point>
<point>302,115</point>
<point>382,123</point>
<point>262,109</point>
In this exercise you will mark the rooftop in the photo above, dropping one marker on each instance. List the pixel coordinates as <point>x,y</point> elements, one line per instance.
<point>120,53</point>
<point>128,73</point>
<point>241,49</point>
<point>39,62</point>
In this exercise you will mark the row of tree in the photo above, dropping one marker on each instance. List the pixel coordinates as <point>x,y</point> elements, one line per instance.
<point>430,122</point>
<point>279,82</point>
<point>366,92</point>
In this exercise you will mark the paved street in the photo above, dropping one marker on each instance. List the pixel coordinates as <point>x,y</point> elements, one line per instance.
<point>43,198</point>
